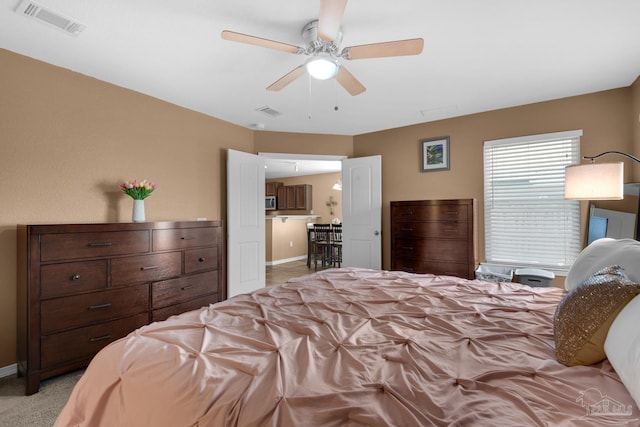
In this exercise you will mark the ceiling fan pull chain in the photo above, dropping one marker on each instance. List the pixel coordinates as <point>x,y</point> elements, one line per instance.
<point>309,97</point>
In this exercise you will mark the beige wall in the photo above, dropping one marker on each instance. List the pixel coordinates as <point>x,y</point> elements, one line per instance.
<point>302,143</point>
<point>603,116</point>
<point>67,140</point>
<point>286,239</point>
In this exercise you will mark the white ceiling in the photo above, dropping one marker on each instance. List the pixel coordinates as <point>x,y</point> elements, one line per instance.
<point>479,55</point>
<point>285,165</point>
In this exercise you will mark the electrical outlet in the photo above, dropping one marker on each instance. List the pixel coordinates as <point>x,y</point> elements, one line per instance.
<point>290,244</point>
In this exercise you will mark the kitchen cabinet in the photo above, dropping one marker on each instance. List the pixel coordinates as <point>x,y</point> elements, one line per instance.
<point>271,188</point>
<point>295,197</point>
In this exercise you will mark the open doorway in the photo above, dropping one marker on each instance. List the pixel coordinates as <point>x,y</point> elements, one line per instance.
<point>286,235</point>
<point>361,217</point>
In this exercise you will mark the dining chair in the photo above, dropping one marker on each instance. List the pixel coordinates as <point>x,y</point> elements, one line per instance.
<point>321,244</point>
<point>310,243</point>
<point>336,245</point>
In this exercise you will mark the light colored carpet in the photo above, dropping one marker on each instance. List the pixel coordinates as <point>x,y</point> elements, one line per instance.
<point>40,409</point>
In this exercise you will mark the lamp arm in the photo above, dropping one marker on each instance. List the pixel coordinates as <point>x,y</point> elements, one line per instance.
<point>629,156</point>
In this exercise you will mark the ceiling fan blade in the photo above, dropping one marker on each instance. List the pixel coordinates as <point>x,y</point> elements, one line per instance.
<point>331,12</point>
<point>379,50</point>
<point>349,82</point>
<point>286,79</point>
<point>259,41</point>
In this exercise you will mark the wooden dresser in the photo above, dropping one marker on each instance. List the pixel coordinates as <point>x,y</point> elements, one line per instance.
<point>434,236</point>
<point>82,286</point>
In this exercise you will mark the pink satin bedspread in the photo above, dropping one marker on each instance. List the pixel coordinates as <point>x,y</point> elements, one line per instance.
<point>350,347</point>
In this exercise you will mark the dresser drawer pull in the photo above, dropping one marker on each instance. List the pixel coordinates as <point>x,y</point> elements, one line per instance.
<point>100,306</point>
<point>102,338</point>
<point>100,244</point>
<point>201,259</point>
<point>451,213</point>
<point>450,230</point>
<point>407,248</point>
<point>407,229</point>
<point>75,277</point>
<point>151,267</point>
<point>187,238</point>
<point>184,288</point>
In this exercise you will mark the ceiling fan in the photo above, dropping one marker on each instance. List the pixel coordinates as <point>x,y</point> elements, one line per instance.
<point>322,39</point>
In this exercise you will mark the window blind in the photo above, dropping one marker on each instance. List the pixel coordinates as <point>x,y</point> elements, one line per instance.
<point>527,220</point>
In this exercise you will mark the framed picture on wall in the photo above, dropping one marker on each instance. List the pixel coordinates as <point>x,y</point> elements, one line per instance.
<point>435,154</point>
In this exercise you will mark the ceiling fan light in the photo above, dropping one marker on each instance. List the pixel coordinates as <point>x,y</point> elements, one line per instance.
<point>322,68</point>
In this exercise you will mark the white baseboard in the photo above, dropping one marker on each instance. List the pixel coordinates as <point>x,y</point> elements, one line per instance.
<point>5,371</point>
<point>283,261</point>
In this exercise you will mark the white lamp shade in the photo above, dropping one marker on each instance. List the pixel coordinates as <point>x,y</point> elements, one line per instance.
<point>594,181</point>
<point>322,68</point>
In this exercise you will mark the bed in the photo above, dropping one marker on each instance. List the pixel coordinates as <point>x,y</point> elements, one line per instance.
<point>357,347</point>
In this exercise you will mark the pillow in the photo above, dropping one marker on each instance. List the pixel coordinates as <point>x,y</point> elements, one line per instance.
<point>584,315</point>
<point>602,253</point>
<point>622,347</point>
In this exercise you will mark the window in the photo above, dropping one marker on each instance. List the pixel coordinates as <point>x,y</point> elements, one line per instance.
<point>527,220</point>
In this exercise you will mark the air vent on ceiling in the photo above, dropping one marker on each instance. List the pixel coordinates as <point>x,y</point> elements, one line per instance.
<point>34,10</point>
<point>269,111</point>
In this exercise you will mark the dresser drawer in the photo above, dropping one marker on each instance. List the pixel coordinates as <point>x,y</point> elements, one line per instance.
<point>443,212</point>
<point>442,250</point>
<point>174,291</point>
<point>194,304</point>
<point>56,247</point>
<point>446,229</point>
<point>80,310</point>
<point>200,259</point>
<point>183,238</point>
<point>87,341</point>
<point>145,268</point>
<point>69,278</point>
<point>423,266</point>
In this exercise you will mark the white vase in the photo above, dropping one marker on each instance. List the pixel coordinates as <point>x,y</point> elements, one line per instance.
<point>138,211</point>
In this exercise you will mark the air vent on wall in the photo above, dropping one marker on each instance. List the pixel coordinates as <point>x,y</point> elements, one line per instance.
<point>269,111</point>
<point>35,11</point>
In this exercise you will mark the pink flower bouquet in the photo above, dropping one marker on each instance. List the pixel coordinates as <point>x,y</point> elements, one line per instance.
<point>138,190</point>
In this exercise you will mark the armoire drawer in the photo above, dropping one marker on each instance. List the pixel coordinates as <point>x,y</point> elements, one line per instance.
<point>80,310</point>
<point>57,247</point>
<point>442,212</point>
<point>70,278</point>
<point>175,291</point>
<point>443,229</point>
<point>443,250</point>
<point>145,268</point>
<point>183,238</point>
<point>422,266</point>
<point>85,342</point>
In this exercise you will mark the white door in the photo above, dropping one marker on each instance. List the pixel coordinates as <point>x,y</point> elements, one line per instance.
<point>245,223</point>
<point>362,212</point>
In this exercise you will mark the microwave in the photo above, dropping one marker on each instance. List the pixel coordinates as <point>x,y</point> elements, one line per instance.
<point>270,203</point>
